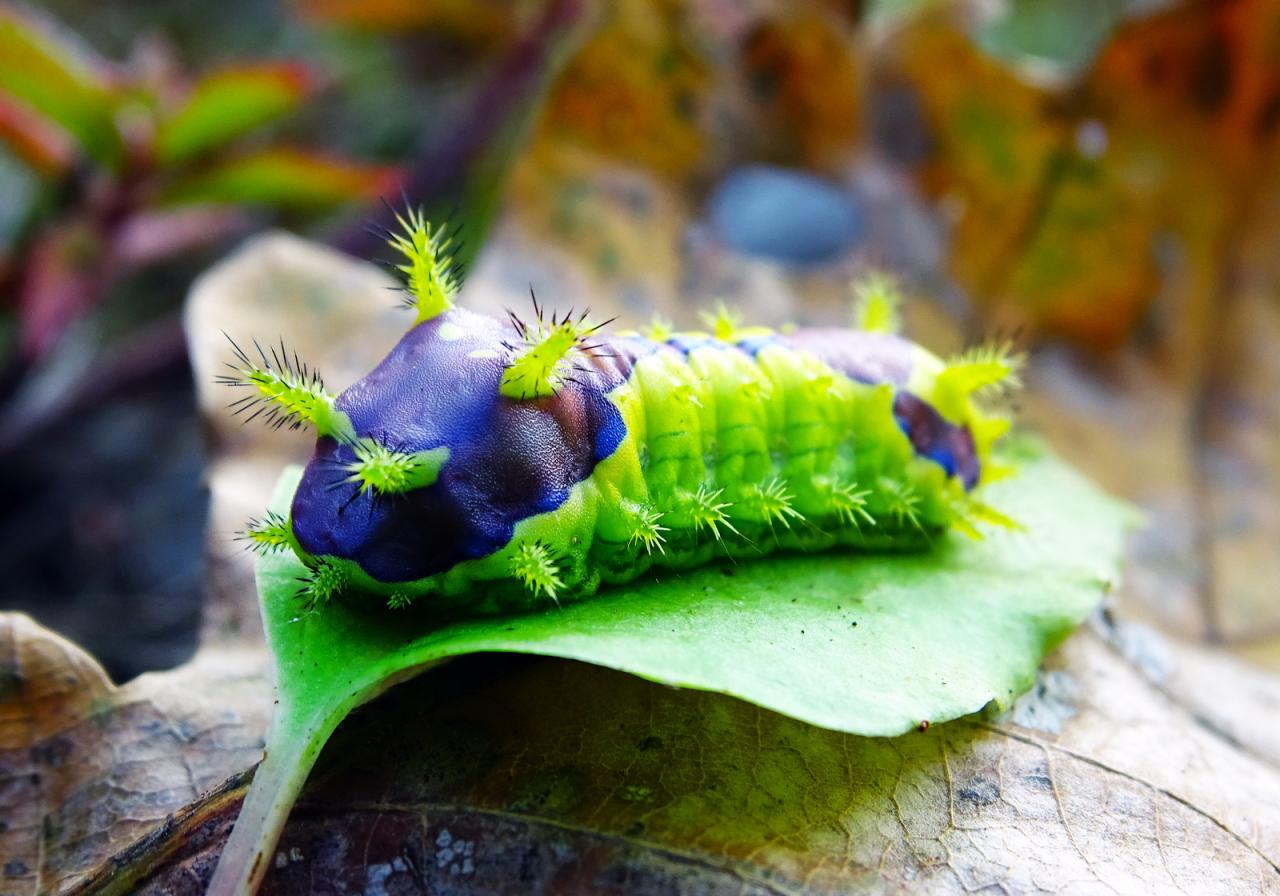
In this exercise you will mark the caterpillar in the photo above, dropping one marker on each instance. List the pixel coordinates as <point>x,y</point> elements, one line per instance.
<point>493,465</point>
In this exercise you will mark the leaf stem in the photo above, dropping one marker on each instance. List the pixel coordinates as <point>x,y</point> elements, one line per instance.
<point>292,751</point>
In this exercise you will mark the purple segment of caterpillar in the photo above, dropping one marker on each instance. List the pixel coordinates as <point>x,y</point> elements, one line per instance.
<point>933,437</point>
<point>865,357</point>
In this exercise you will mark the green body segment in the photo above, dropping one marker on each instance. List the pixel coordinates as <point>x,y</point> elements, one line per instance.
<point>738,457</point>
<point>726,455</point>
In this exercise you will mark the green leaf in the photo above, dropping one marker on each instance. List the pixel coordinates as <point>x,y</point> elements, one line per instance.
<point>282,177</point>
<point>867,644</point>
<point>52,75</point>
<point>1063,36</point>
<point>229,104</point>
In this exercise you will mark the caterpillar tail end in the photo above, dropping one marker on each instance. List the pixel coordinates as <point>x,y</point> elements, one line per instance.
<point>984,371</point>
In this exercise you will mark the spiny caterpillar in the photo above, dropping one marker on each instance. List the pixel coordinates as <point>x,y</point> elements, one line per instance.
<point>492,466</point>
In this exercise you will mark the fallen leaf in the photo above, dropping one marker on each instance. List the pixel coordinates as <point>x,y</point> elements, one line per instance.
<point>501,776</point>
<point>87,769</point>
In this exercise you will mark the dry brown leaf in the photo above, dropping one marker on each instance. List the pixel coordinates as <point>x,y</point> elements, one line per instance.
<point>516,776</point>
<point>88,769</point>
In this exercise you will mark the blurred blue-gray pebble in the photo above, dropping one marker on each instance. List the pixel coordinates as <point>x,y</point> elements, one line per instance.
<point>784,215</point>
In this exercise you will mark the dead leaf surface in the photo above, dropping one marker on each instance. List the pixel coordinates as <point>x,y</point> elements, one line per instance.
<point>87,769</point>
<point>511,776</point>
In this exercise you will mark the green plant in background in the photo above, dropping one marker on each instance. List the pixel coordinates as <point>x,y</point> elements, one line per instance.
<point>136,163</point>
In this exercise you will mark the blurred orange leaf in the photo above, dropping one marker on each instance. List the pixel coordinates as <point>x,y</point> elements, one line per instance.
<point>1062,193</point>
<point>992,138</point>
<point>636,91</point>
<point>803,71</point>
<point>1212,69</point>
<point>477,21</point>
<point>34,140</point>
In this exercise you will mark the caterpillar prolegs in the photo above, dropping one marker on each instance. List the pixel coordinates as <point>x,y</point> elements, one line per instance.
<point>491,465</point>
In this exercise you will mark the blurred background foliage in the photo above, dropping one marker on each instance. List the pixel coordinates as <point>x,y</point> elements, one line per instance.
<point>1098,177</point>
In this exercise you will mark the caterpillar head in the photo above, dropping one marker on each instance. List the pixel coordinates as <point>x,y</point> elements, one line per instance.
<point>467,427</point>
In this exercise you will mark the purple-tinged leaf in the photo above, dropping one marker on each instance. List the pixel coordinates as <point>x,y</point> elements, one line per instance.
<point>152,236</point>
<point>67,270</point>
